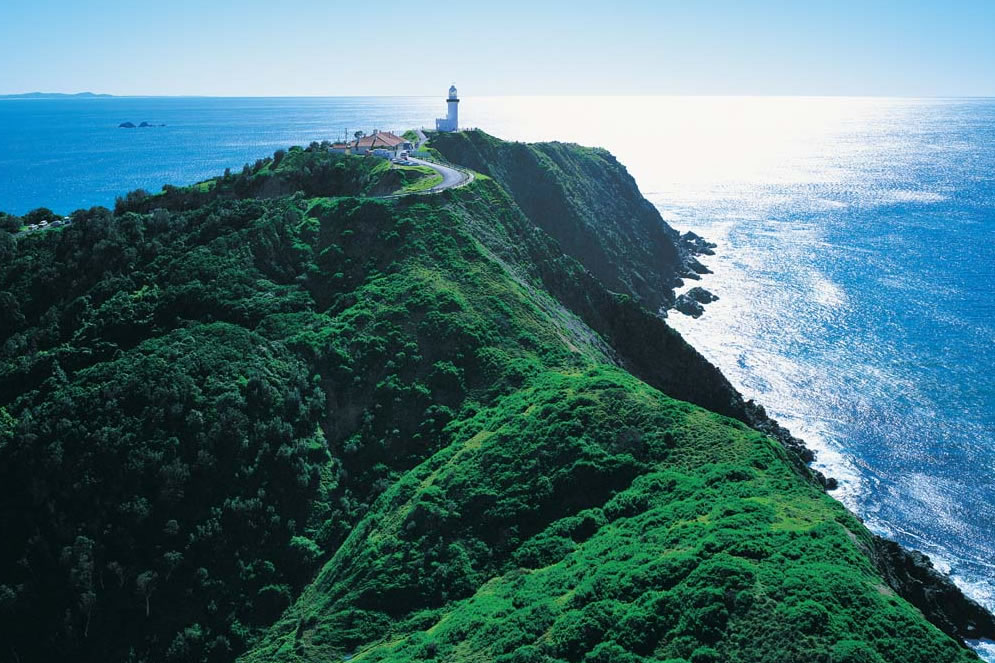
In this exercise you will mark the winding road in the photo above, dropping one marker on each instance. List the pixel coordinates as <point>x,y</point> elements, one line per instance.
<point>451,177</point>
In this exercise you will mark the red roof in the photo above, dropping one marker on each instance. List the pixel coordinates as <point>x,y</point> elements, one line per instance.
<point>380,139</point>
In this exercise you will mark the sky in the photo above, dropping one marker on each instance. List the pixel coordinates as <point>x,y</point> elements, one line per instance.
<point>513,47</point>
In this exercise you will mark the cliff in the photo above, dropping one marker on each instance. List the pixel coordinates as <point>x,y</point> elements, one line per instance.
<point>274,418</point>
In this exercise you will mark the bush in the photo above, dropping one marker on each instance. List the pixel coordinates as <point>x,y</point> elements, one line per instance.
<point>705,655</point>
<point>10,223</point>
<point>854,651</point>
<point>609,652</point>
<point>36,216</point>
<point>543,550</point>
<point>807,617</point>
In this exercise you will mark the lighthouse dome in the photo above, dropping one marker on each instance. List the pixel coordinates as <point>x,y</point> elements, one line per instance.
<point>452,91</point>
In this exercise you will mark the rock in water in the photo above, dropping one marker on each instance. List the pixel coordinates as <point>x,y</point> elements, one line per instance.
<point>697,244</point>
<point>701,295</point>
<point>692,302</point>
<point>688,306</point>
<point>126,125</point>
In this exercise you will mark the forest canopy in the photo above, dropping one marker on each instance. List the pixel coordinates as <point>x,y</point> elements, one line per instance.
<point>274,417</point>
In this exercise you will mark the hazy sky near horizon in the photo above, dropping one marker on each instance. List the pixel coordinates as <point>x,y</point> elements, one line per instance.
<point>331,47</point>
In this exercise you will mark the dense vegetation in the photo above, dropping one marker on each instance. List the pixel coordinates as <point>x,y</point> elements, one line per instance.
<point>269,416</point>
<point>588,517</point>
<point>582,197</point>
<point>314,171</point>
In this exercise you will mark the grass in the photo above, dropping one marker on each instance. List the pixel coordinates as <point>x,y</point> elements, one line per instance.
<point>552,538</point>
<point>332,424</point>
<point>427,152</point>
<point>425,178</point>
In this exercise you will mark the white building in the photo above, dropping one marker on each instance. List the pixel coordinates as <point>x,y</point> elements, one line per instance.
<point>451,121</point>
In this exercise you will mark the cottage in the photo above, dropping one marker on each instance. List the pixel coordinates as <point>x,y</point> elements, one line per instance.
<point>381,140</point>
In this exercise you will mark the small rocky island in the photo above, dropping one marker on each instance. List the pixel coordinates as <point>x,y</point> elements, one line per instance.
<point>143,125</point>
<point>693,301</point>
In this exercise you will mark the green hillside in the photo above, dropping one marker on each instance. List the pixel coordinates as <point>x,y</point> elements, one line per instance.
<point>274,418</point>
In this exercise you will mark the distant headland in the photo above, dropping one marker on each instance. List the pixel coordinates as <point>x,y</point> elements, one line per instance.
<point>53,95</point>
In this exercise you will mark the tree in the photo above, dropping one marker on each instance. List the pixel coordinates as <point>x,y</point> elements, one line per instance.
<point>8,246</point>
<point>171,560</point>
<point>145,585</point>
<point>9,222</point>
<point>39,215</point>
<point>131,201</point>
<point>80,557</point>
<point>160,219</point>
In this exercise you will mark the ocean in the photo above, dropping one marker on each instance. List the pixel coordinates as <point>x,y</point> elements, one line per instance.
<point>855,265</point>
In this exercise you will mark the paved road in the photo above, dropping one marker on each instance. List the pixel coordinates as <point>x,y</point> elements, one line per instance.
<point>450,176</point>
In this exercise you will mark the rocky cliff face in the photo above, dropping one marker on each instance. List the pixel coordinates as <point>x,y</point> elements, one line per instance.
<point>913,576</point>
<point>606,239</point>
<point>322,426</point>
<point>571,270</point>
<point>587,201</point>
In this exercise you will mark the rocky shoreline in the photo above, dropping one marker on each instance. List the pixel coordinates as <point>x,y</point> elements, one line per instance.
<point>624,296</point>
<point>908,572</point>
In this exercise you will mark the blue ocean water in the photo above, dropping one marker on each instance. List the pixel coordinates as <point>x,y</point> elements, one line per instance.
<point>68,154</point>
<point>855,267</point>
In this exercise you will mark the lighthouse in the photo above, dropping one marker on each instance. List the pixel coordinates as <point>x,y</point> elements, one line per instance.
<point>451,121</point>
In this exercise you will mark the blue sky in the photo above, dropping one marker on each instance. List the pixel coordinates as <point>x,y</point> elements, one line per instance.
<point>328,47</point>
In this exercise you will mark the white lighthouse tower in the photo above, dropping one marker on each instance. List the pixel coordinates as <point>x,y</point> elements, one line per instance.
<point>451,121</point>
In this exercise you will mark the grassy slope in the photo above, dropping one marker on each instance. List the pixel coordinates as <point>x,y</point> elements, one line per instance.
<point>586,514</point>
<point>313,171</point>
<point>418,178</point>
<point>464,456</point>
<point>586,201</point>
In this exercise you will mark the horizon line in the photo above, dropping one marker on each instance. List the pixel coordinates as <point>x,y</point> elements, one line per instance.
<point>27,96</point>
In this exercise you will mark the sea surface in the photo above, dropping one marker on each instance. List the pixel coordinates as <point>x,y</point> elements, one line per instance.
<point>855,263</point>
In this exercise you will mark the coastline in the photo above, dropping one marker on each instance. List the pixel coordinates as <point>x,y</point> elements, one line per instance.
<point>655,352</point>
<point>642,338</point>
<point>909,572</point>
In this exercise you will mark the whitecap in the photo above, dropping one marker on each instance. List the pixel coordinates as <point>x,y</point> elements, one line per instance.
<point>892,196</point>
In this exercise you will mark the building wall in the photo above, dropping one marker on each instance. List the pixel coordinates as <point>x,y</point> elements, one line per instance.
<point>451,121</point>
